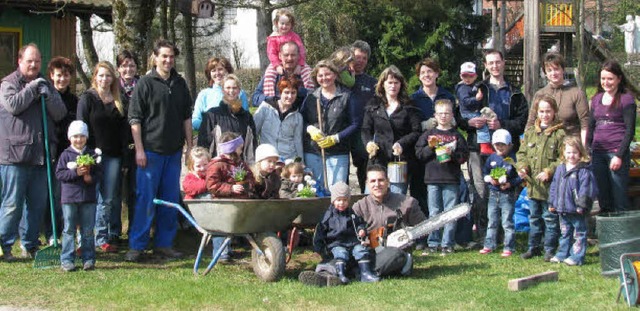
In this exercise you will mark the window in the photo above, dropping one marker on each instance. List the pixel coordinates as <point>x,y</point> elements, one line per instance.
<point>10,39</point>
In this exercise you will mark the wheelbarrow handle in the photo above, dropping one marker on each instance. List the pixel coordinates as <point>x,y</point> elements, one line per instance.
<point>182,211</point>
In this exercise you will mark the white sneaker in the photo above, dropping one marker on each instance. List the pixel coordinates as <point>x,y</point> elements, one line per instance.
<point>570,262</point>
<point>554,259</point>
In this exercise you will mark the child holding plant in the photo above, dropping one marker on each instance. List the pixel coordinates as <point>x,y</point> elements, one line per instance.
<point>295,184</point>
<point>267,179</point>
<point>228,176</point>
<point>500,173</point>
<point>77,171</point>
<point>443,149</point>
<point>571,195</point>
<point>538,157</point>
<point>194,183</point>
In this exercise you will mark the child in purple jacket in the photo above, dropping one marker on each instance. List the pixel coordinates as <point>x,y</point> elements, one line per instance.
<point>78,171</point>
<point>571,195</point>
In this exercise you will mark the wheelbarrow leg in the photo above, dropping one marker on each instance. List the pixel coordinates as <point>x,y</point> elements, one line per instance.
<point>216,255</point>
<point>205,240</point>
<point>294,235</point>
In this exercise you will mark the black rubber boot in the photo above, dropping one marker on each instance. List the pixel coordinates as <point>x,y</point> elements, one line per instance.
<point>341,267</point>
<point>366,275</point>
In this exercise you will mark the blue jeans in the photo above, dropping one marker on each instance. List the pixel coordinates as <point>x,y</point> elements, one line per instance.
<point>612,185</point>
<point>442,197</point>
<point>337,168</point>
<point>84,215</point>
<point>483,134</point>
<point>109,207</point>
<point>541,220</point>
<point>358,252</point>
<point>573,228</point>
<point>159,179</point>
<point>24,194</point>
<point>501,204</point>
<point>217,242</point>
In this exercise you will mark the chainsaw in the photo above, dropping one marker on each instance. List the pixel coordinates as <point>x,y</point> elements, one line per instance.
<point>403,238</point>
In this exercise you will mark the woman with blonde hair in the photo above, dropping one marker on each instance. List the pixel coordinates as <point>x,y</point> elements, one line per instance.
<point>101,108</point>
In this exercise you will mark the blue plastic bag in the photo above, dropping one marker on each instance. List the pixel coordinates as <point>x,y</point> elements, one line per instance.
<point>521,213</point>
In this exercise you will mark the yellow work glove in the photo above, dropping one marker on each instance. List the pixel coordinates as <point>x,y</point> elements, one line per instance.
<point>316,134</point>
<point>329,141</point>
<point>372,149</point>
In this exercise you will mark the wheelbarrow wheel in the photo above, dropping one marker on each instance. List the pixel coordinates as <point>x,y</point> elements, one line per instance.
<point>270,265</point>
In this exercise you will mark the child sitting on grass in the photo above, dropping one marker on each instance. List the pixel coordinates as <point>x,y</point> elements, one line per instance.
<point>267,179</point>
<point>571,196</point>
<point>340,230</point>
<point>499,172</point>
<point>538,157</point>
<point>78,171</point>
<point>194,183</point>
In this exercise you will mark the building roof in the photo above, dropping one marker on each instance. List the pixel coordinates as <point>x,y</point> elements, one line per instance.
<point>98,7</point>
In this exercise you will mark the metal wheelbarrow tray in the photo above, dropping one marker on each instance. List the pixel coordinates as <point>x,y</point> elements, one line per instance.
<point>255,220</point>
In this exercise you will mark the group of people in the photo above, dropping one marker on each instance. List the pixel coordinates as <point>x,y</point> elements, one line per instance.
<point>318,121</point>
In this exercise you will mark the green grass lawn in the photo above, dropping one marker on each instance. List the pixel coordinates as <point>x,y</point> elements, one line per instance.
<point>462,281</point>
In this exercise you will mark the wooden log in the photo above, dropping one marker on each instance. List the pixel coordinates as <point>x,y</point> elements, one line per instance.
<point>522,283</point>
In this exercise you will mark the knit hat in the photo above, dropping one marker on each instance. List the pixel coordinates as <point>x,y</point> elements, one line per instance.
<point>339,190</point>
<point>77,127</point>
<point>468,67</point>
<point>501,136</point>
<point>266,151</point>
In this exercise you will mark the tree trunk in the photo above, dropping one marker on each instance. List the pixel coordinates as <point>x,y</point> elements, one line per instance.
<point>131,25</point>
<point>189,62</point>
<point>163,18</point>
<point>598,18</point>
<point>89,50</point>
<point>86,82</point>
<point>264,23</point>
<point>173,14</point>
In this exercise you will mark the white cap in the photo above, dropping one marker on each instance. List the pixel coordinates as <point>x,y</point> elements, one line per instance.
<point>468,67</point>
<point>501,136</point>
<point>77,127</point>
<point>266,151</point>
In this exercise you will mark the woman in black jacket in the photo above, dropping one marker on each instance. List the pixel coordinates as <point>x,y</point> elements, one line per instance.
<point>391,125</point>
<point>229,117</point>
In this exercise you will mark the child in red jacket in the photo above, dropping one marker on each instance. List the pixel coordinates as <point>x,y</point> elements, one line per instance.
<point>194,183</point>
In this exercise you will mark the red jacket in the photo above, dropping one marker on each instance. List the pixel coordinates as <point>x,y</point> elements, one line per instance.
<point>193,186</point>
<point>219,179</point>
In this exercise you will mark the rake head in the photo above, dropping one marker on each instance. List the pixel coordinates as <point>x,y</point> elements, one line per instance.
<point>48,257</point>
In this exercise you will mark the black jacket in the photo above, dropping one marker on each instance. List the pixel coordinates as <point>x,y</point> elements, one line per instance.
<point>338,117</point>
<point>107,127</point>
<point>70,101</point>
<point>403,127</point>
<point>337,229</point>
<point>161,107</point>
<point>515,124</point>
<point>218,120</point>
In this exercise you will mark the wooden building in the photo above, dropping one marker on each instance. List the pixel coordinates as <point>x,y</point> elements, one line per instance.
<point>50,24</point>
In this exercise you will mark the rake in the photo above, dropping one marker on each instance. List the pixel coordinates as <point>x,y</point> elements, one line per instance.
<point>49,256</point>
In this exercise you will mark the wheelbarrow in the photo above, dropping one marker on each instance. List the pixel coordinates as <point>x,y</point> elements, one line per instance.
<point>629,274</point>
<point>255,220</point>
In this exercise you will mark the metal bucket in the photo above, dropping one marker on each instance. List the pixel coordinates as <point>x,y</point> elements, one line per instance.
<point>397,172</point>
